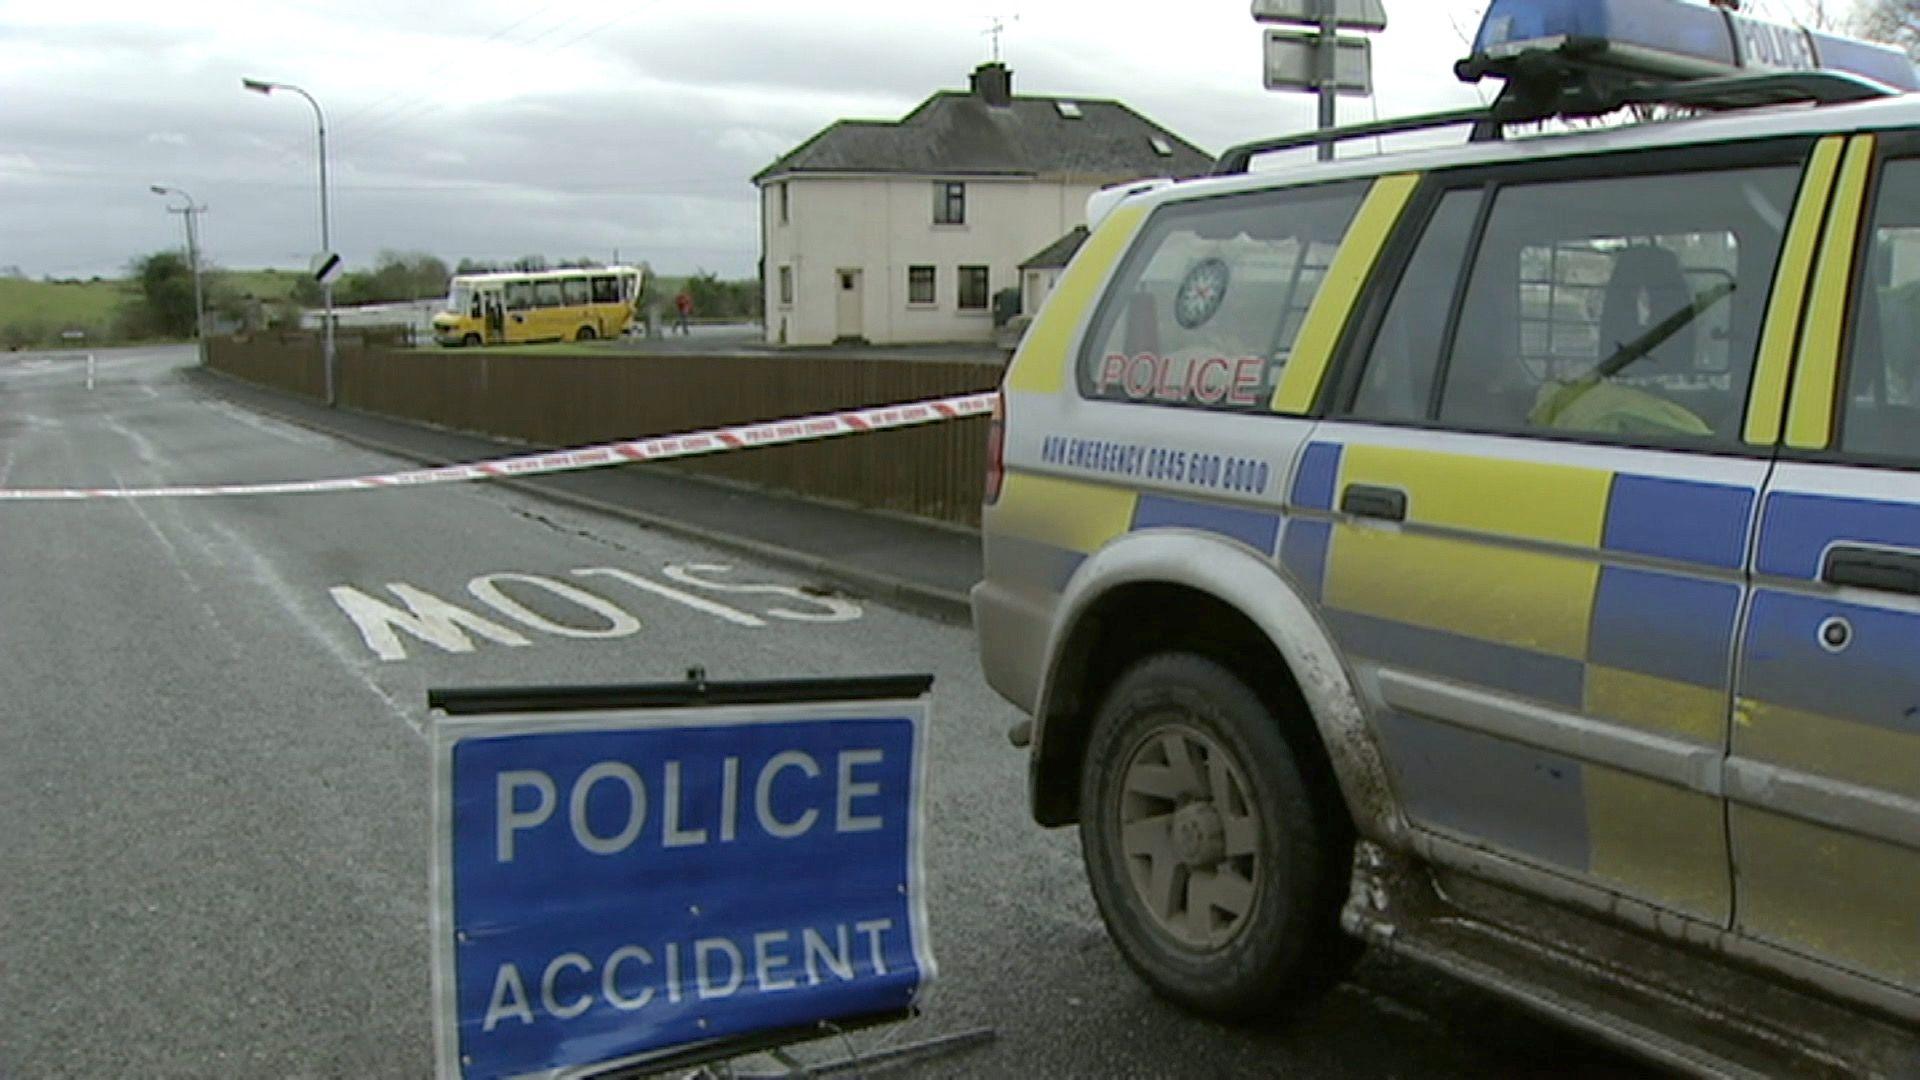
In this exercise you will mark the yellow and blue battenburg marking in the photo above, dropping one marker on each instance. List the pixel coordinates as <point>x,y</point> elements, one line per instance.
<point>1579,608</point>
<point>1847,715</point>
<point>1526,594</point>
<point>1044,527</point>
<point>1789,670</point>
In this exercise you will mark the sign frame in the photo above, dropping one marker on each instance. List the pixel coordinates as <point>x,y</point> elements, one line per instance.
<point>1306,45</point>
<point>462,715</point>
<point>1367,15</point>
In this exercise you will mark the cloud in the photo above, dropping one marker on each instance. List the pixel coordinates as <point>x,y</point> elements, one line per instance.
<point>497,129</point>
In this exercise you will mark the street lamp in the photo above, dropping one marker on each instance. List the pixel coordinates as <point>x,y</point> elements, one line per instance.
<point>193,261</point>
<point>263,87</point>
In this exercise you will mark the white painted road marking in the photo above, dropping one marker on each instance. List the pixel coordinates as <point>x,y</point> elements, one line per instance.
<point>697,603</point>
<point>486,588</point>
<point>835,610</point>
<point>449,627</point>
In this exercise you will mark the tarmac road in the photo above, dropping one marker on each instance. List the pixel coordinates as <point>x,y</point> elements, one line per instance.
<point>214,786</point>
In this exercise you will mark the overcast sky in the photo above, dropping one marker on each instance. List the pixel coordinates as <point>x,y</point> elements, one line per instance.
<point>490,130</point>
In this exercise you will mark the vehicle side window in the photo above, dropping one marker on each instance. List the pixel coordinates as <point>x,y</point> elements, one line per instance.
<point>1624,307</point>
<point>606,290</point>
<point>1204,311</point>
<point>519,295</point>
<point>1881,411</point>
<point>1400,368</point>
<point>546,293</point>
<point>575,291</point>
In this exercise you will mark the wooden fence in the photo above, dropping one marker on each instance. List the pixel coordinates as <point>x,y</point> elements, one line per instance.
<point>933,472</point>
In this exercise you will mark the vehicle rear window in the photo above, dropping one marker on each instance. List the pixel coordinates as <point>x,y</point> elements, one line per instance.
<point>1205,309</point>
<point>1623,308</point>
<point>1627,307</point>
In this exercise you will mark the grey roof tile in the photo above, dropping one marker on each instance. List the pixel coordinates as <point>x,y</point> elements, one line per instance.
<point>956,133</point>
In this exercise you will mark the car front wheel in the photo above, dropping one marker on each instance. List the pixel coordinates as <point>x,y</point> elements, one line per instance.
<point>1218,867</point>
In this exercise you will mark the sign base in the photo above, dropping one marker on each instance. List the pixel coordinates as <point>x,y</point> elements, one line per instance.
<point>718,1063</point>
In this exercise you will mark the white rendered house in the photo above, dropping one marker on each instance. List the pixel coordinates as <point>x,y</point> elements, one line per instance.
<point>902,231</point>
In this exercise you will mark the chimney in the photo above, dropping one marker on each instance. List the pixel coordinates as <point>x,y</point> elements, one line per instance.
<point>993,84</point>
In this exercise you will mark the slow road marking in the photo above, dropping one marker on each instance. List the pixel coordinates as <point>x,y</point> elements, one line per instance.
<point>514,610</point>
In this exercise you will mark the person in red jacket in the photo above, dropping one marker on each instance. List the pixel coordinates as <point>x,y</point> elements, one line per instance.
<point>683,305</point>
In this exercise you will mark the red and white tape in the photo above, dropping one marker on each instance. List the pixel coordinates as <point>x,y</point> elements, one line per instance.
<point>662,448</point>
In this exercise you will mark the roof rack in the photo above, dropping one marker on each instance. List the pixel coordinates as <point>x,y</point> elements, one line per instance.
<point>1532,101</point>
<point>1236,159</point>
<point>1568,59</point>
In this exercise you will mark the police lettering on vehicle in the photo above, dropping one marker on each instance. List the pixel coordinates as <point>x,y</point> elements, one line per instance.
<point>1770,45</point>
<point>1209,380</point>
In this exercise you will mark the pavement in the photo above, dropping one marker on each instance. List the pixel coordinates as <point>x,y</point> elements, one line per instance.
<point>928,566</point>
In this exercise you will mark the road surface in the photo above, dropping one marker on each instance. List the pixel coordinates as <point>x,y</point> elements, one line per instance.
<point>214,787</point>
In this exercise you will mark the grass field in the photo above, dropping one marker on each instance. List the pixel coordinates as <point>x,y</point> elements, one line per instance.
<point>37,312</point>
<point>54,306</point>
<point>268,285</point>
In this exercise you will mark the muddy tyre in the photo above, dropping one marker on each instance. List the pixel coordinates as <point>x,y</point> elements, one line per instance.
<point>1218,853</point>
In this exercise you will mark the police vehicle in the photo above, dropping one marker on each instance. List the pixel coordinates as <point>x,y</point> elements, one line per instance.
<point>1507,555</point>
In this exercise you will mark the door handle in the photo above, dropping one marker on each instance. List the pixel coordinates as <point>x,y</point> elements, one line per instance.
<point>1872,568</point>
<point>1366,500</point>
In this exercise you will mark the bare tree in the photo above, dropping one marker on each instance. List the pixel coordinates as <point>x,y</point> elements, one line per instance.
<point>1896,22</point>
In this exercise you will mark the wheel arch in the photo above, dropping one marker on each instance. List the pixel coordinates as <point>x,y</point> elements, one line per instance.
<point>1165,589</point>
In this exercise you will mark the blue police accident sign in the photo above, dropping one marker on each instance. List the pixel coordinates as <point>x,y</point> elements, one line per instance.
<point>616,884</point>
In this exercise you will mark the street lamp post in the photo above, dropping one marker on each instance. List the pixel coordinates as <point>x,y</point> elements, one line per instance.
<point>261,86</point>
<point>193,262</point>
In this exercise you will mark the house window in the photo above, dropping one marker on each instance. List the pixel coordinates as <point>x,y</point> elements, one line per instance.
<point>949,203</point>
<point>973,288</point>
<point>786,285</point>
<point>920,288</point>
<point>783,205</point>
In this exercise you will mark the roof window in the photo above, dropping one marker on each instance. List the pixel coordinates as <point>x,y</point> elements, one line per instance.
<point>1069,109</point>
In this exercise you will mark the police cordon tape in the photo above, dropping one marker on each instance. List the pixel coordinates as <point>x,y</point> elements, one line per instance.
<point>661,448</point>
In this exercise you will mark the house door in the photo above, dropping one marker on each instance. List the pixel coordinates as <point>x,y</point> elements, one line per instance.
<point>846,323</point>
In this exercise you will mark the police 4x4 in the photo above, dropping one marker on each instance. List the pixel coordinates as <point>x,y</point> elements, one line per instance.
<point>1508,555</point>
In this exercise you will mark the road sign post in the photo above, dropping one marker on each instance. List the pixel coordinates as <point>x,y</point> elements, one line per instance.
<point>1322,60</point>
<point>630,875</point>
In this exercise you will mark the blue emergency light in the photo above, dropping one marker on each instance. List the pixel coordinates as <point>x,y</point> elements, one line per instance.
<point>1664,41</point>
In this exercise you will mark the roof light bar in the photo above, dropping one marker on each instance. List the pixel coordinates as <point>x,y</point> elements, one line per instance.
<point>1662,40</point>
